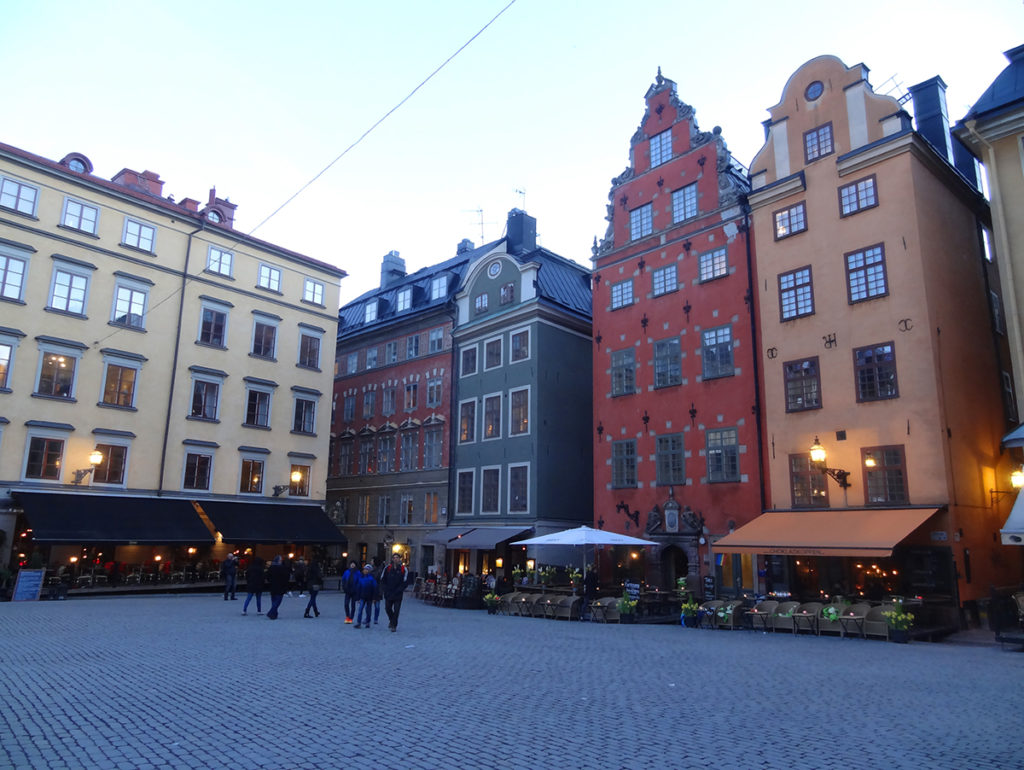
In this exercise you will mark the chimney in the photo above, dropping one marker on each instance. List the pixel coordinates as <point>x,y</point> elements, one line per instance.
<point>223,207</point>
<point>522,232</point>
<point>392,269</point>
<point>931,117</point>
<point>464,245</point>
<point>148,182</point>
<point>966,163</point>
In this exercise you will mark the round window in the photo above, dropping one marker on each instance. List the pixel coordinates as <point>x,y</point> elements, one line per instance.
<point>76,165</point>
<point>493,269</point>
<point>814,90</point>
<point>213,215</point>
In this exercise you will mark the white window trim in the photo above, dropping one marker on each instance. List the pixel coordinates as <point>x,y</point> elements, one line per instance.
<point>318,287</point>
<point>352,363</point>
<point>501,356</point>
<point>20,183</point>
<point>483,470</point>
<point>665,269</point>
<point>273,275</point>
<point>14,341</point>
<point>458,500</point>
<point>230,255</point>
<point>483,417</point>
<point>124,282</point>
<point>121,441</point>
<point>257,456</point>
<point>80,271</point>
<point>212,379</point>
<point>403,302</point>
<point>529,411</point>
<point>430,340</point>
<point>259,388</point>
<point>529,345</point>
<point>84,205</point>
<point>215,305</point>
<point>438,287</point>
<point>462,350</point>
<point>260,318</point>
<point>203,451</point>
<point>11,252</point>
<point>142,227</point>
<point>476,422</point>
<point>52,433</point>
<point>508,489</point>
<point>317,335</point>
<point>126,363</point>
<point>303,396</point>
<point>67,352</point>
<point>370,312</point>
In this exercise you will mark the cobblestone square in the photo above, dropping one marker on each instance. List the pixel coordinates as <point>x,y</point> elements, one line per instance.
<point>188,682</point>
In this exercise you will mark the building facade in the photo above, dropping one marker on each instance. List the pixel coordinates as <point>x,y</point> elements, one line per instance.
<point>162,383</point>
<point>675,374</point>
<point>877,347</point>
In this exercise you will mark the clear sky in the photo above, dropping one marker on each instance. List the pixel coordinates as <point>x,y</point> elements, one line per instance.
<point>257,97</point>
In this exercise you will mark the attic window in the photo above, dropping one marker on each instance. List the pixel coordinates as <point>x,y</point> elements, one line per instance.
<point>371,312</point>
<point>404,299</point>
<point>814,90</point>
<point>508,293</point>
<point>214,216</point>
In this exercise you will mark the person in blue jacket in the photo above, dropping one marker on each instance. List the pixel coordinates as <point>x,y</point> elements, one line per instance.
<point>350,584</point>
<point>367,593</point>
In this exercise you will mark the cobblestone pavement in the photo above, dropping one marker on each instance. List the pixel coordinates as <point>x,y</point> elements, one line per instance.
<point>188,682</point>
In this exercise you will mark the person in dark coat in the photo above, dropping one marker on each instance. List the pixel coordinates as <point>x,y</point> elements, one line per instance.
<point>393,582</point>
<point>278,576</point>
<point>254,579</point>
<point>589,592</point>
<point>299,575</point>
<point>314,582</point>
<point>350,585</point>
<point>367,592</point>
<point>229,571</point>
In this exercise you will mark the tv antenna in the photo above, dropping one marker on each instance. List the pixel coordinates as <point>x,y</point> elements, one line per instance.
<point>522,198</point>
<point>480,214</point>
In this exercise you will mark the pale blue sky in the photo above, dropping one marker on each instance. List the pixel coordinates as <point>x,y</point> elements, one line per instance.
<point>257,97</point>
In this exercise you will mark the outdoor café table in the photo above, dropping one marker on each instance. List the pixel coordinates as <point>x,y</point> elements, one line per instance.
<point>805,620</point>
<point>854,620</point>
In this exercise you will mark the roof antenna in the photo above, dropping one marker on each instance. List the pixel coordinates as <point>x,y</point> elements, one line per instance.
<point>522,198</point>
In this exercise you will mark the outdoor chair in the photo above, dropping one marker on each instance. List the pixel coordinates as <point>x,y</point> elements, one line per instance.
<point>806,617</point>
<point>521,605</point>
<point>782,619</point>
<point>875,623</point>
<point>851,619</point>
<point>730,615</point>
<point>567,607</point>
<point>611,609</point>
<point>505,602</point>
<point>706,613</point>
<point>826,626</point>
<point>540,606</point>
<point>760,616</point>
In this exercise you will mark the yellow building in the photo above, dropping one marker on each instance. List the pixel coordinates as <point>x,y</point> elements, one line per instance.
<point>165,380</point>
<point>877,347</point>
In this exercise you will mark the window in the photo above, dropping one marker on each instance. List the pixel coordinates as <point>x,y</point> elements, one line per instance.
<point>519,412</point>
<point>369,405</point>
<point>304,418</point>
<point>269,277</point>
<point>661,148</point>
<point>57,372</point>
<point>492,354</point>
<point>111,468</point>
<point>411,396</point>
<point>434,392</point>
<point>520,346</point>
<point>818,142</point>
<point>257,409</point>
<point>641,222</point>
<point>410,450</point>
<point>205,399</point>
<point>790,221</point>
<point>390,352</point>
<point>670,460</point>
<point>251,481</point>
<point>405,508</point>
<point>995,304</point>
<point>865,274</point>
<point>197,471</point>
<point>807,483</point>
<point>803,384</point>
<point>436,340</point>
<point>432,445</point>
<point>384,511</point>
<point>213,325</point>
<point>723,454</point>
<point>130,305</point>
<point>492,417</point>
<point>796,294</point>
<point>430,507</point>
<point>439,287</point>
<point>518,488</point>
<point>309,350</point>
<point>886,482</point>
<point>468,361</point>
<point>138,235</point>
<point>716,353</point>
<point>508,294</point>
<point>387,403</point>
<point>713,264</point>
<point>44,458</point>
<point>857,196</point>
<point>386,454</point>
<point>874,369</point>
<point>299,488</point>
<point>371,357</point>
<point>490,486</point>
<point>68,289</point>
<point>404,300</point>
<point>684,203</point>
<point>624,463</point>
<point>345,454</point>
<point>80,216</point>
<point>6,351</point>
<point>465,492</point>
<point>367,455</point>
<point>264,338</point>
<point>219,261</point>
<point>623,372</point>
<point>664,280</point>
<point>412,346</point>
<point>480,303</point>
<point>119,385</point>
<point>668,365</point>
<point>467,422</point>
<point>622,294</point>
<point>18,197</point>
<point>363,514</point>
<point>12,276</point>
<point>1009,399</point>
<point>313,292</point>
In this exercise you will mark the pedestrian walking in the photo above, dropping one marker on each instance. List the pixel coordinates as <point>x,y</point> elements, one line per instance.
<point>277,582</point>
<point>378,572</point>
<point>229,572</point>
<point>315,583</point>
<point>255,576</point>
<point>299,575</point>
<point>350,585</point>
<point>394,581</point>
<point>367,591</point>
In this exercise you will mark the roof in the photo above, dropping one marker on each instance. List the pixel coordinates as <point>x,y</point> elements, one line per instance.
<point>561,281</point>
<point>1006,91</point>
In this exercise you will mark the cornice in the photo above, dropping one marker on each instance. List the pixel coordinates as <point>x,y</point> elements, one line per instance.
<point>775,192</point>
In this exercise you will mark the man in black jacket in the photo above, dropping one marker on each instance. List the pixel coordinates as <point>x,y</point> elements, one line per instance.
<point>393,583</point>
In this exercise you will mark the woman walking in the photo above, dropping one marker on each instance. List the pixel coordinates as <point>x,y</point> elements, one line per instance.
<point>277,581</point>
<point>254,579</point>
<point>314,582</point>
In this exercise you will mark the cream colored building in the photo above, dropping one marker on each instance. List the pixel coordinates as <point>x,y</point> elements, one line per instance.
<point>197,361</point>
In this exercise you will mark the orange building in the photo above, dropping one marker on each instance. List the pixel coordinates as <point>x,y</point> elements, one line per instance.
<point>877,346</point>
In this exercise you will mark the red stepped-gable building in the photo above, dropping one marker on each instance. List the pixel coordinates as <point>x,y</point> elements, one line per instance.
<point>675,371</point>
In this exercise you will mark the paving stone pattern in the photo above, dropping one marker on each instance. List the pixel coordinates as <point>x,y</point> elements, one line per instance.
<point>188,682</point>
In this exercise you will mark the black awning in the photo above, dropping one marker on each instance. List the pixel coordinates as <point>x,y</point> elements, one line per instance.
<point>87,518</point>
<point>256,523</point>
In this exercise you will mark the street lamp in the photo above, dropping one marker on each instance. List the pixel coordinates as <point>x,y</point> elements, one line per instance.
<point>818,457</point>
<point>279,489</point>
<point>95,458</point>
<point>1016,481</point>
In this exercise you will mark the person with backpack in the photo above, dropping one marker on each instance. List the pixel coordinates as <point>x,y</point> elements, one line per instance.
<point>393,583</point>
<point>350,585</point>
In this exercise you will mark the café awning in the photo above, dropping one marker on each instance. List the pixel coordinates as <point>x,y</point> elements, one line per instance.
<point>87,518</point>
<point>267,523</point>
<point>486,538</point>
<point>1015,437</point>
<point>1012,532</point>
<point>442,536</point>
<point>865,533</point>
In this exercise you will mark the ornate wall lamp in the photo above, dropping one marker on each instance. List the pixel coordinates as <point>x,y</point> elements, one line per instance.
<point>95,458</point>
<point>818,458</point>
<point>280,489</point>
<point>1016,481</point>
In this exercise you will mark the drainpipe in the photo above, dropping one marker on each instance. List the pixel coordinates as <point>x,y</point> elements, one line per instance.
<point>755,357</point>
<point>174,361</point>
<point>453,312</point>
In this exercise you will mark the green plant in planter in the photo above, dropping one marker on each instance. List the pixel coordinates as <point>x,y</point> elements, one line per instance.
<point>491,599</point>
<point>898,619</point>
<point>627,606</point>
<point>830,613</point>
<point>690,607</point>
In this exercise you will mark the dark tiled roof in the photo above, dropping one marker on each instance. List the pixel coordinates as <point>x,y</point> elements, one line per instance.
<point>561,281</point>
<point>1006,91</point>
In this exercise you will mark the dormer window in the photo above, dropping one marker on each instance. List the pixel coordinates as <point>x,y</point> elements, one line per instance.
<point>439,287</point>
<point>404,299</point>
<point>214,216</point>
<point>371,312</point>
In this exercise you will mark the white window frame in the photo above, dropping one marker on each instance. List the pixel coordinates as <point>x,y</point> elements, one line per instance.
<point>219,261</point>
<point>213,306</point>
<point>529,411</point>
<point>435,391</point>
<point>713,264</point>
<point>439,287</point>
<point>406,507</point>
<point>55,348</point>
<point>268,390</point>
<point>383,510</point>
<point>124,442</point>
<point>313,334</point>
<point>307,398</point>
<point>409,461</point>
<point>390,352</point>
<point>501,417</point>
<point>511,346</point>
<point>9,255</point>
<point>622,294</point>
<point>372,357</point>
<point>268,277</point>
<point>404,300</point>
<point>73,271</point>
<point>76,221</point>
<point>458,428</point>
<point>428,432</point>
<point>253,457</point>
<point>135,287</point>
<point>641,222</point>
<point>664,280</point>
<point>313,292</point>
<point>208,378</point>
<point>684,203</point>
<point>269,321</point>
<point>462,360</point>
<point>501,353</point>
<point>144,239</point>
<point>483,476</point>
<point>12,341</point>
<point>412,346</point>
<point>508,489</point>
<point>201,452</point>
<point>12,196</point>
<point>125,362</point>
<point>661,148</point>
<point>352,363</point>
<point>49,434</point>
<point>370,312</point>
<point>436,340</point>
<point>458,492</point>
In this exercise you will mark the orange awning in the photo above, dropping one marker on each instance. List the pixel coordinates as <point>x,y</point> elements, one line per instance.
<point>825,533</point>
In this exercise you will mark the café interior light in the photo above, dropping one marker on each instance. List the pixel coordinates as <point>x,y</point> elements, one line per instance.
<point>499,562</point>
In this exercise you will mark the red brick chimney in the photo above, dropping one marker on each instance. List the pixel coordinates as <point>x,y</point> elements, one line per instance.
<point>148,182</point>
